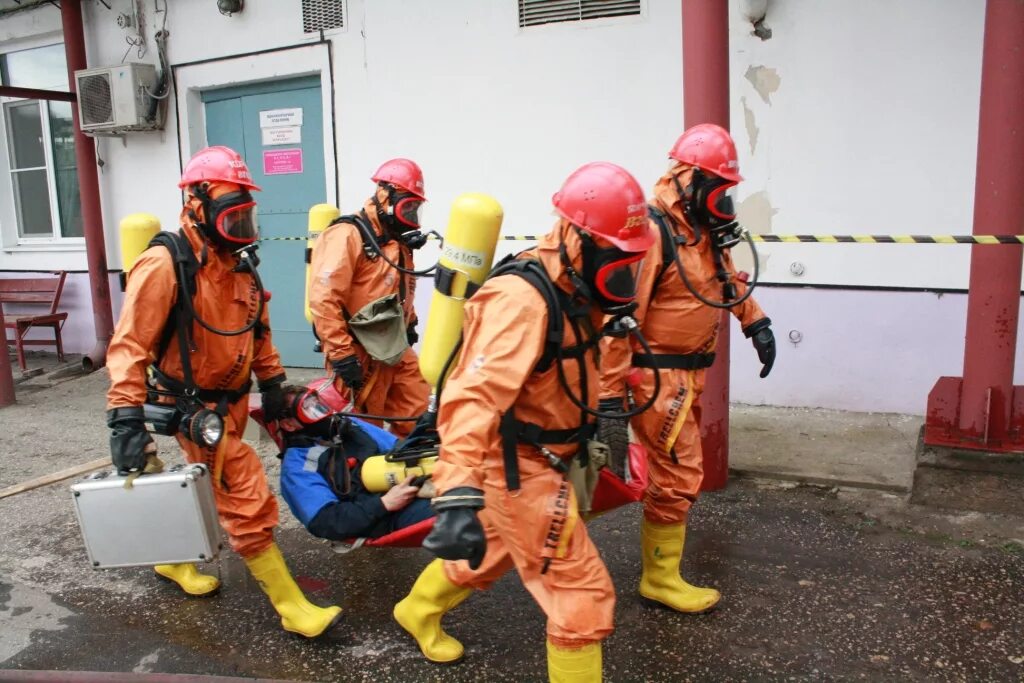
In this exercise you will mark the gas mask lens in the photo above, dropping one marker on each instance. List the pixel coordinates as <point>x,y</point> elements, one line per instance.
<point>720,203</point>
<point>310,408</point>
<point>616,281</point>
<point>407,211</point>
<point>234,217</point>
<point>238,224</point>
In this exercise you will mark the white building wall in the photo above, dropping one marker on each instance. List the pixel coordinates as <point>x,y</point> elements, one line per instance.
<point>852,118</point>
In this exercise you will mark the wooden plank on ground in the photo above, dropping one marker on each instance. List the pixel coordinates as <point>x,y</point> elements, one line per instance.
<point>54,477</point>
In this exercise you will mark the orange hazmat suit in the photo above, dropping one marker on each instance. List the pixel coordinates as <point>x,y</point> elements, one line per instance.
<point>674,322</point>
<point>537,528</point>
<point>227,300</point>
<point>344,280</point>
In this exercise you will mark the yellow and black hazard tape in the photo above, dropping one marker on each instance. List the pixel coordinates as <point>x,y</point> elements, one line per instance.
<point>809,239</point>
<point>890,239</point>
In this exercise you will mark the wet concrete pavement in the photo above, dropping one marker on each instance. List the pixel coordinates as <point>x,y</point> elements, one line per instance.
<point>813,588</point>
<point>818,584</point>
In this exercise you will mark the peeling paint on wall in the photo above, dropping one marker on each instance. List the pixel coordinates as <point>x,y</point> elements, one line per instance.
<point>765,80</point>
<point>751,125</point>
<point>755,214</point>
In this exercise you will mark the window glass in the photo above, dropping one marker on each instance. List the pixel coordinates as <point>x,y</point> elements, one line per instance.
<point>25,134</point>
<point>45,68</point>
<point>64,167</point>
<point>32,198</point>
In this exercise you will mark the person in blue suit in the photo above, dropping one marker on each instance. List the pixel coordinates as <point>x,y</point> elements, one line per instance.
<point>320,480</point>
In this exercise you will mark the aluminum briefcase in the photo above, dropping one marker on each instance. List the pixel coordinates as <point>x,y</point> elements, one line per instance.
<point>164,518</point>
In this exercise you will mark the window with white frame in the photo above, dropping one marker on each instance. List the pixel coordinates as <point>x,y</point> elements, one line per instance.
<point>40,164</point>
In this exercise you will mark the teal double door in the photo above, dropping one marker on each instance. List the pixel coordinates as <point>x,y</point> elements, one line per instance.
<point>278,128</point>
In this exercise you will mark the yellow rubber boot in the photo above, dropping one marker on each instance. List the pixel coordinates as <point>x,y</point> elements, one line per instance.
<point>188,577</point>
<point>662,547</point>
<point>420,613</point>
<point>298,615</point>
<point>576,665</point>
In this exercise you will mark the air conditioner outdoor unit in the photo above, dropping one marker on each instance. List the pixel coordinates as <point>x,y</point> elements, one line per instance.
<point>115,99</point>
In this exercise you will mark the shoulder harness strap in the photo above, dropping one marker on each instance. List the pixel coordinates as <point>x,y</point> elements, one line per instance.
<point>186,266</point>
<point>183,259</point>
<point>512,430</point>
<point>669,242</point>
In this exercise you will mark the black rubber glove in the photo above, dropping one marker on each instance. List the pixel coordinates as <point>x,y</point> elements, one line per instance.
<point>128,439</point>
<point>411,335</point>
<point>272,397</point>
<point>457,533</point>
<point>614,433</point>
<point>350,372</point>
<point>423,433</point>
<point>760,333</point>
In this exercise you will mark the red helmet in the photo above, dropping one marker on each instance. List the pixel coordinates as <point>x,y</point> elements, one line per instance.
<point>709,148</point>
<point>217,164</point>
<point>404,174</point>
<point>604,199</point>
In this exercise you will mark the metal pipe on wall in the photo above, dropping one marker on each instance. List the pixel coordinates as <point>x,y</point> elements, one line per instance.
<point>706,100</point>
<point>89,190</point>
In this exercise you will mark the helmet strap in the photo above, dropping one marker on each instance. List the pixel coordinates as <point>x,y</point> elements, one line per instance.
<point>582,289</point>
<point>386,215</point>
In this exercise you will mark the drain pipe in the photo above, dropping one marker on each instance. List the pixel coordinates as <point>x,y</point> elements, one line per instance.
<point>89,189</point>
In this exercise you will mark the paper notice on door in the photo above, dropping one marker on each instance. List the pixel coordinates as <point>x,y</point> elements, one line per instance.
<point>272,118</point>
<point>282,161</point>
<point>282,135</point>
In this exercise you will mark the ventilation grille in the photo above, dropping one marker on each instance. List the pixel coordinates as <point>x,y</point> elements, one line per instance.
<point>537,12</point>
<point>94,95</point>
<point>322,15</point>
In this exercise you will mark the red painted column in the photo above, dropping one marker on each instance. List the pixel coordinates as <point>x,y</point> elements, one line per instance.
<point>983,410</point>
<point>706,100</point>
<point>6,374</point>
<point>994,298</point>
<point>89,189</point>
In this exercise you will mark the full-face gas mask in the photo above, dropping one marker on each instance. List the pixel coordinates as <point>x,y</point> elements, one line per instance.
<point>230,220</point>
<point>610,273</point>
<point>709,206</point>
<point>402,216</point>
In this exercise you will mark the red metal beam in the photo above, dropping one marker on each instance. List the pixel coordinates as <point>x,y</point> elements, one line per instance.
<point>706,100</point>
<point>979,411</point>
<point>36,94</point>
<point>89,189</point>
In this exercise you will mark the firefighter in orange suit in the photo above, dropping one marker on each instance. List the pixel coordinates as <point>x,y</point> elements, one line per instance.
<point>195,315</point>
<point>684,282</point>
<point>361,296</point>
<point>513,415</point>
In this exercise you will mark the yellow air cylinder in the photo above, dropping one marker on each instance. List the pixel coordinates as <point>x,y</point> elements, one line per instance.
<point>469,244</point>
<point>320,216</point>
<point>379,475</point>
<point>136,231</point>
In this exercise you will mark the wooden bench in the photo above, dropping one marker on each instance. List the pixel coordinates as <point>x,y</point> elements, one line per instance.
<point>33,291</point>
